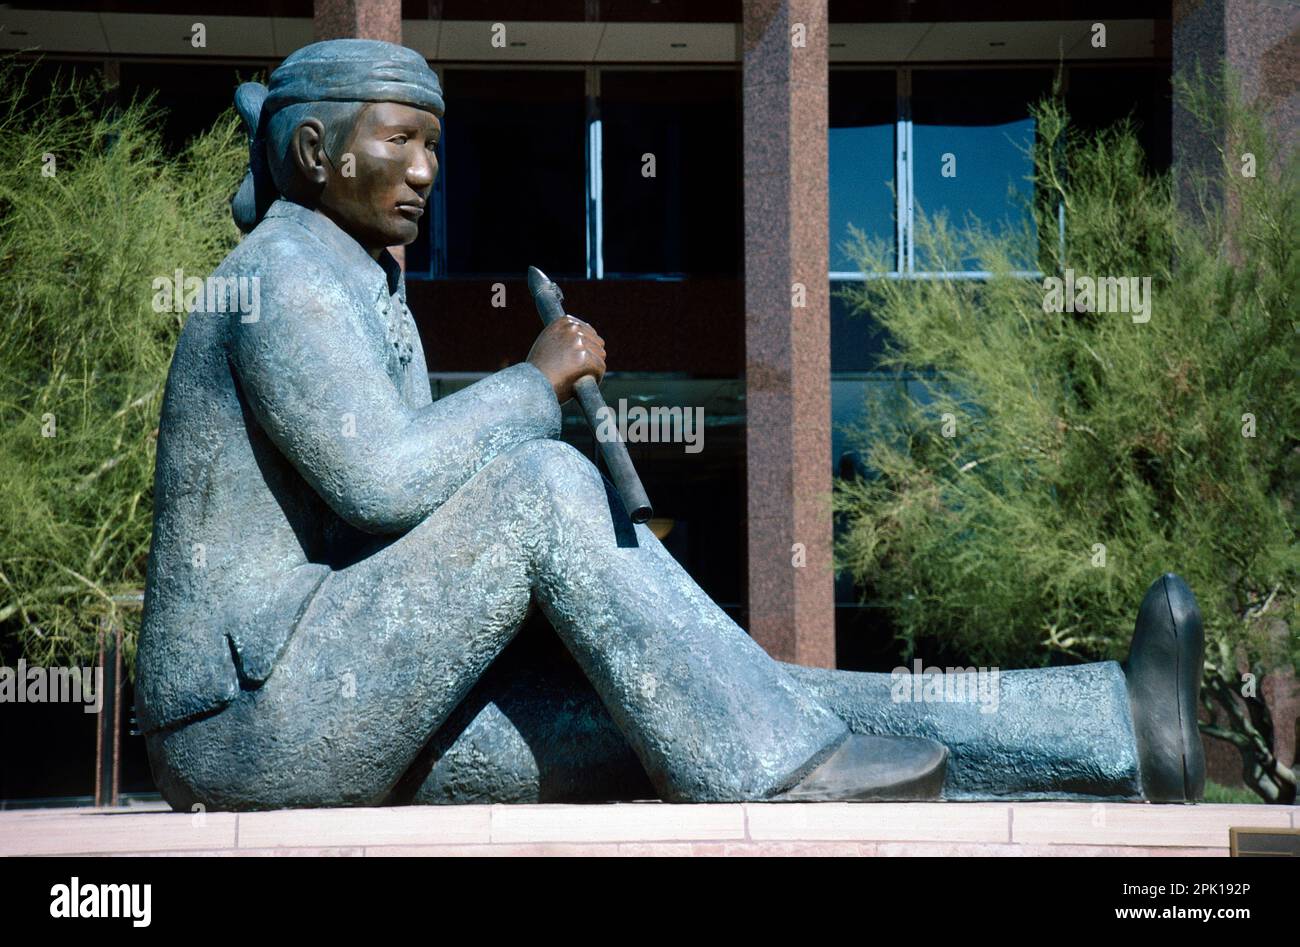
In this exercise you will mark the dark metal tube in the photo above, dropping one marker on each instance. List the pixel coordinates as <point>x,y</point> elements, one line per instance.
<point>550,306</point>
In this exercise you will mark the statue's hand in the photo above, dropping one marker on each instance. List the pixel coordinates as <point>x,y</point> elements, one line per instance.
<point>566,350</point>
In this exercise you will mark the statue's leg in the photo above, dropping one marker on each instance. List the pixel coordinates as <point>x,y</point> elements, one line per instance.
<point>390,646</point>
<point>1093,730</point>
<point>532,726</point>
<point>708,713</point>
<point>533,730</point>
<point>1063,732</point>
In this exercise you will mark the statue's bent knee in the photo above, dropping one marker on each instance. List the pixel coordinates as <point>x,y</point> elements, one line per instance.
<point>553,463</point>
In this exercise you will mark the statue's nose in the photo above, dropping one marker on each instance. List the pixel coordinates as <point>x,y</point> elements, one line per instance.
<point>421,172</point>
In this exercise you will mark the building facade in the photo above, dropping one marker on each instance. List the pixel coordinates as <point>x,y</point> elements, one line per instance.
<point>689,171</point>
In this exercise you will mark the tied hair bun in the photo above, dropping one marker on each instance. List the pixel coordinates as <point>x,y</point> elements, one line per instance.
<point>257,191</point>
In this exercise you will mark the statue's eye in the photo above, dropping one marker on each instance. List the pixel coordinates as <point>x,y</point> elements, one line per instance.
<point>398,139</point>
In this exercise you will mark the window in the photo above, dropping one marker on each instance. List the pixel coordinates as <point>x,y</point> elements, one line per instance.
<point>857,339</point>
<point>1100,96</point>
<point>972,140</point>
<point>195,95</point>
<point>641,178</point>
<point>863,119</point>
<point>512,173</point>
<point>668,195</point>
<point>946,140</point>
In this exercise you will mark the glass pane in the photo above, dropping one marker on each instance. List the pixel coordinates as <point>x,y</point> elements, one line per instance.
<point>863,112</point>
<point>971,138</point>
<point>685,218</point>
<point>857,339</point>
<point>514,172</point>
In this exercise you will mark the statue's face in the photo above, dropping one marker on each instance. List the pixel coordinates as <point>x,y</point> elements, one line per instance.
<point>381,201</point>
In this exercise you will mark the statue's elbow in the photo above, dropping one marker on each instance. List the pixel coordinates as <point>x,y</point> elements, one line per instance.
<point>379,509</point>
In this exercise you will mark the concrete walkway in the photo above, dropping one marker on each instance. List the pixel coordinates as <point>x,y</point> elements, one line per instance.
<point>647,828</point>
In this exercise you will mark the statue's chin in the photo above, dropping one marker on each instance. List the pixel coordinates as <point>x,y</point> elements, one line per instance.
<point>374,231</point>
<point>403,236</point>
<point>386,242</point>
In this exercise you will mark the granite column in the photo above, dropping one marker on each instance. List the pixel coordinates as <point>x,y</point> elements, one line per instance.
<point>787,329</point>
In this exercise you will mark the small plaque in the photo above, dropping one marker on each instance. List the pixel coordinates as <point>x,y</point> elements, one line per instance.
<point>1264,843</point>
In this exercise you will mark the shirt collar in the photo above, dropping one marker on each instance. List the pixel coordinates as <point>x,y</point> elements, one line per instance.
<point>384,273</point>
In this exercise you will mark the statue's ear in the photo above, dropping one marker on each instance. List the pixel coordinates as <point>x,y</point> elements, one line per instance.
<point>308,150</point>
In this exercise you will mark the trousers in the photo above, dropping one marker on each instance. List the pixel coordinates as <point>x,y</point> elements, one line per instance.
<point>391,646</point>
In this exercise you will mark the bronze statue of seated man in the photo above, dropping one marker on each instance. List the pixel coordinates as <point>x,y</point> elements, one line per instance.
<point>340,563</point>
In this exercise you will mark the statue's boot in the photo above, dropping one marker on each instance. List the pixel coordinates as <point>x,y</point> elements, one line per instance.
<point>1163,673</point>
<point>866,768</point>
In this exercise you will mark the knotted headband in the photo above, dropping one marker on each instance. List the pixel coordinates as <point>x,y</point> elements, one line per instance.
<point>355,70</point>
<point>336,70</point>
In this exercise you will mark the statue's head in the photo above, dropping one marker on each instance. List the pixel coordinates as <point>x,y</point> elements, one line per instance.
<point>346,127</point>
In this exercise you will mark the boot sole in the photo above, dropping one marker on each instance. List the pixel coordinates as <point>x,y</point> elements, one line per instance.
<point>868,768</point>
<point>1163,673</point>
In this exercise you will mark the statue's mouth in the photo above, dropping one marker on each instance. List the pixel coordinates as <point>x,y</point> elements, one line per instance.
<point>412,209</point>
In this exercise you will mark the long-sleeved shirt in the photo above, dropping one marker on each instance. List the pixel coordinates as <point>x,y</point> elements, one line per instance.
<point>298,435</point>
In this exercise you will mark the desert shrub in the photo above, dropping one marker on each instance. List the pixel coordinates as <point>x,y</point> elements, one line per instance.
<point>1086,453</point>
<point>93,208</point>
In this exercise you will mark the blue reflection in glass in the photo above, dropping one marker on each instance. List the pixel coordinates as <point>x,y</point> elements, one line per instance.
<point>861,171</point>
<point>981,118</point>
<point>991,165</point>
<point>863,114</point>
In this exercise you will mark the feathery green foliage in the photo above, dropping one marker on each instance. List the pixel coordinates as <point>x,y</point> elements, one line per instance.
<point>84,355</point>
<point>1073,431</point>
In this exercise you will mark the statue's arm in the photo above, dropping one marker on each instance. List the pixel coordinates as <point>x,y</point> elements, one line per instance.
<point>318,391</point>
